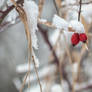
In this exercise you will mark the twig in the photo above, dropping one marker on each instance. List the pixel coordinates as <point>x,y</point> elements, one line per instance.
<point>87,2</point>
<point>67,50</point>
<point>24,82</point>
<point>41,3</point>
<point>80,10</point>
<point>84,88</point>
<point>71,62</point>
<point>23,17</point>
<point>54,1</point>
<point>5,13</point>
<point>77,4</point>
<point>10,8</point>
<point>37,73</point>
<point>44,34</point>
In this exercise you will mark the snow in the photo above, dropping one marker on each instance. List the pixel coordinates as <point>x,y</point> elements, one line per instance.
<point>75,67</point>
<point>17,83</point>
<point>54,36</point>
<point>33,89</point>
<point>9,3</point>
<point>42,20</point>
<point>67,2</point>
<point>12,16</point>
<point>63,25</point>
<point>77,26</point>
<point>65,86</point>
<point>87,12</point>
<point>31,10</point>
<point>23,68</point>
<point>36,88</point>
<point>60,23</point>
<point>47,70</point>
<point>72,15</point>
<point>68,36</point>
<point>56,88</point>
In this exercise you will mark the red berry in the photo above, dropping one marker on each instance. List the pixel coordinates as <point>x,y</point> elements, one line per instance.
<point>75,39</point>
<point>83,37</point>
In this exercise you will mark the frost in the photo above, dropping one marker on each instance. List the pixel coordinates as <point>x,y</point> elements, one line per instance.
<point>77,26</point>
<point>23,68</point>
<point>60,23</point>
<point>31,10</point>
<point>12,16</point>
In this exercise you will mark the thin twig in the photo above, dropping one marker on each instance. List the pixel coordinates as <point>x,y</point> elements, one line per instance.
<point>44,34</point>
<point>24,82</point>
<point>76,4</point>
<point>54,1</point>
<point>41,3</point>
<point>37,73</point>
<point>80,10</point>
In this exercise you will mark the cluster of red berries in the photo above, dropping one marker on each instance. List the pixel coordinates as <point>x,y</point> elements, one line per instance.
<point>77,37</point>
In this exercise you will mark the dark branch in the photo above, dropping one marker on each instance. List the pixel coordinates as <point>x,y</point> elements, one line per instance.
<point>56,6</point>
<point>45,36</point>
<point>85,88</point>
<point>80,10</point>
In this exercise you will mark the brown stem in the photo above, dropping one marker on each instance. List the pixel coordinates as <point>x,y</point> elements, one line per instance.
<point>37,73</point>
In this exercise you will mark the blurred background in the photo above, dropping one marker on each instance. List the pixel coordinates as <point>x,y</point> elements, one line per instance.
<point>63,68</point>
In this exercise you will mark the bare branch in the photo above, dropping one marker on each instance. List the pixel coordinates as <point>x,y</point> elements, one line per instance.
<point>41,3</point>
<point>80,10</point>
